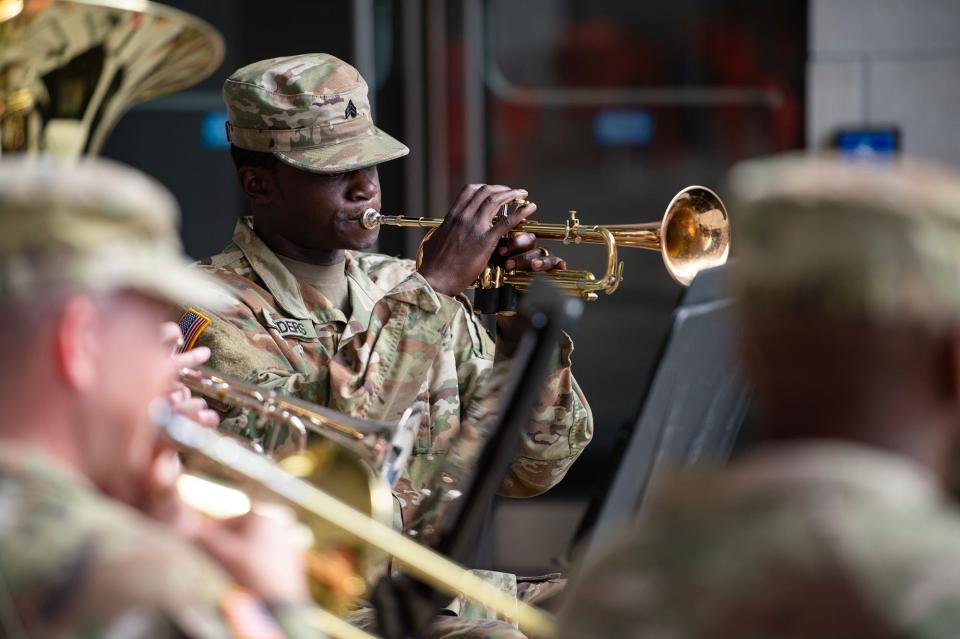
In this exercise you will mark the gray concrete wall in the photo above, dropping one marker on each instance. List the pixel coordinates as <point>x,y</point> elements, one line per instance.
<point>878,62</point>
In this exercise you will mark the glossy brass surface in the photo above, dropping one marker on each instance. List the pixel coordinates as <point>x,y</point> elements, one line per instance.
<point>355,461</point>
<point>69,69</point>
<point>694,234</point>
<point>383,445</point>
<point>262,479</point>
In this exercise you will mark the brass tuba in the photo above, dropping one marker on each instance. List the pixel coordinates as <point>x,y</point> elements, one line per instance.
<point>693,235</point>
<point>69,69</point>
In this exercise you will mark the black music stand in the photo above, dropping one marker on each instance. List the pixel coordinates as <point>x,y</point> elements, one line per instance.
<point>406,606</point>
<point>691,412</point>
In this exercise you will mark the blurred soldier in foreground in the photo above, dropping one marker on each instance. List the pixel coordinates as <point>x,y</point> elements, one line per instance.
<point>849,284</point>
<point>89,263</point>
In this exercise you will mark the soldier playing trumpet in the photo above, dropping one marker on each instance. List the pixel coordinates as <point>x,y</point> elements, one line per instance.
<point>363,333</point>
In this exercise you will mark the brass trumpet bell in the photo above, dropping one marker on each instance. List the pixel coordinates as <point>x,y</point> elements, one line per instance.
<point>693,235</point>
<point>70,69</point>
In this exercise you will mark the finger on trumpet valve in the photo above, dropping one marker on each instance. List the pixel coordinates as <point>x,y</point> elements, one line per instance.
<point>503,215</point>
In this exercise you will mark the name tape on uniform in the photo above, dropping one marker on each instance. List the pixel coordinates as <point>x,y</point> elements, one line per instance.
<point>289,327</point>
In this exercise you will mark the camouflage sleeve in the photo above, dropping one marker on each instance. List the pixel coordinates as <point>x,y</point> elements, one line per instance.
<point>561,426</point>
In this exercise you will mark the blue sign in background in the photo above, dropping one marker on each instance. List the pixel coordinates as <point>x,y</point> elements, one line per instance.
<point>623,127</point>
<point>869,142</point>
<point>213,132</point>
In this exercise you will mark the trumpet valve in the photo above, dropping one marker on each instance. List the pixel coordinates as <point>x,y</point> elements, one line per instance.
<point>490,277</point>
<point>570,232</point>
<point>503,215</point>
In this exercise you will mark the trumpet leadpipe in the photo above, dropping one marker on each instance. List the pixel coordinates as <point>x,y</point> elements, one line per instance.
<point>570,232</point>
<point>372,218</point>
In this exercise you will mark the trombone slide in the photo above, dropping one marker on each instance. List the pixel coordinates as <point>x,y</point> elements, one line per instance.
<point>421,562</point>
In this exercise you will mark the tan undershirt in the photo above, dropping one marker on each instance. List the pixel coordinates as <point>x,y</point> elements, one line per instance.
<point>330,280</point>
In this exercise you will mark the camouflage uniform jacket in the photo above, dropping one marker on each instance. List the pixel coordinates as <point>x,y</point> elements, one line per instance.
<point>76,564</point>
<point>403,344</point>
<point>806,540</point>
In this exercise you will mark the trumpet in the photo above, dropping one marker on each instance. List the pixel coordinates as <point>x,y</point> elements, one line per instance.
<point>324,513</point>
<point>693,235</point>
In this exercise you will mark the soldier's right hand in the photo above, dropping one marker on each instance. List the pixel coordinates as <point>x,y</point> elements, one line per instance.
<point>259,554</point>
<point>459,250</point>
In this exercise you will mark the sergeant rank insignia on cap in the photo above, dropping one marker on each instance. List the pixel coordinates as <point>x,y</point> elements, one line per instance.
<point>192,322</point>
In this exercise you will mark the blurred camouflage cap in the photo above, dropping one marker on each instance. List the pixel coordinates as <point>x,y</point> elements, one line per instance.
<point>822,236</point>
<point>311,111</point>
<point>95,225</point>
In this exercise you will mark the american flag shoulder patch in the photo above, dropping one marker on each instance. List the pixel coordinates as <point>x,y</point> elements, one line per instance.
<point>192,322</point>
<point>247,617</point>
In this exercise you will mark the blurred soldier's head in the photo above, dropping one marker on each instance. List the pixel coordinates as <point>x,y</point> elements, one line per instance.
<point>90,263</point>
<point>306,149</point>
<point>849,280</point>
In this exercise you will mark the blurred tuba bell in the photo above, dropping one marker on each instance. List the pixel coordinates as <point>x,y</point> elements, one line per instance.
<point>69,69</point>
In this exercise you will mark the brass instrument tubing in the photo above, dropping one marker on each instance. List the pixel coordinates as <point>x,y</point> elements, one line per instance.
<point>418,560</point>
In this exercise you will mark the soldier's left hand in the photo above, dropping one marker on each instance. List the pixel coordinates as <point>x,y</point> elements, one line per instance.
<point>194,408</point>
<point>159,498</point>
<point>522,253</point>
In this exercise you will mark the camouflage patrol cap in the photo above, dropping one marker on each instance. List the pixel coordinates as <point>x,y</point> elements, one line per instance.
<point>95,225</point>
<point>822,236</point>
<point>310,111</point>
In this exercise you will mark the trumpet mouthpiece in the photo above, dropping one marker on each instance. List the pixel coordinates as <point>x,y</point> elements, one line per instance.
<point>370,219</point>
